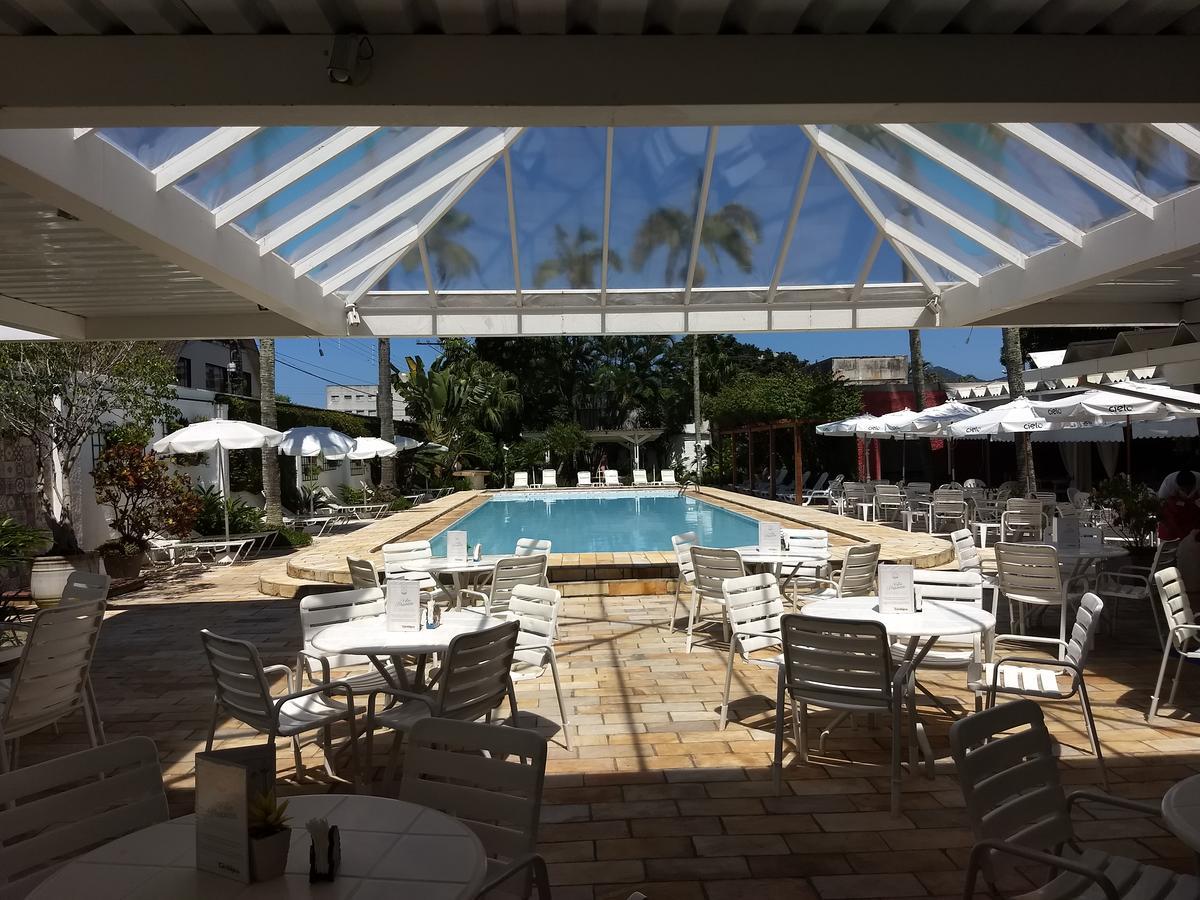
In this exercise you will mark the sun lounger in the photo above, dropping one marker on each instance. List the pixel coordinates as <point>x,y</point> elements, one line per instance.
<point>612,478</point>
<point>520,480</point>
<point>583,479</point>
<point>549,478</point>
<point>639,478</point>
<point>668,478</point>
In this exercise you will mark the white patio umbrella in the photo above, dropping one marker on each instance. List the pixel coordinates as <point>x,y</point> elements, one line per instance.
<point>222,435</point>
<point>367,448</point>
<point>898,423</point>
<point>933,422</point>
<point>865,425</point>
<point>1016,416</point>
<point>404,442</point>
<point>314,440</point>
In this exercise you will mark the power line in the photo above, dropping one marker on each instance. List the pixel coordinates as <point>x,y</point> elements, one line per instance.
<point>333,372</point>
<point>289,365</point>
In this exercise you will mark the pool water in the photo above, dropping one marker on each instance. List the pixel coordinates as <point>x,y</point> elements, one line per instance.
<point>599,521</point>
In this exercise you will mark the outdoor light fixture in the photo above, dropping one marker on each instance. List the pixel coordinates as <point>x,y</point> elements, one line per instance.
<point>350,59</point>
<point>935,306</point>
<point>234,359</point>
<point>352,316</point>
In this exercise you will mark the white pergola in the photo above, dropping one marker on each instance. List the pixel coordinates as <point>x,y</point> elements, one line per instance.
<point>192,170</point>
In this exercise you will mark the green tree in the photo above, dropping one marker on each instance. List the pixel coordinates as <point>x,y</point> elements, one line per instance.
<point>566,442</point>
<point>273,505</point>
<point>449,258</point>
<point>54,393</point>
<point>731,231</point>
<point>576,258</point>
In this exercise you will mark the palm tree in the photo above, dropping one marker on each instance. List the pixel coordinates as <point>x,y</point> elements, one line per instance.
<point>575,259</point>
<point>449,257</point>
<point>387,420</point>
<point>1013,361</point>
<point>732,231</point>
<point>273,511</point>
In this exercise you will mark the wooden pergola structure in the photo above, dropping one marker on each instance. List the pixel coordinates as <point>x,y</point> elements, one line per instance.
<point>772,428</point>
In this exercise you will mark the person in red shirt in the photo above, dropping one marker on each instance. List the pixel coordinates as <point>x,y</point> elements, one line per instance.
<point>1180,513</point>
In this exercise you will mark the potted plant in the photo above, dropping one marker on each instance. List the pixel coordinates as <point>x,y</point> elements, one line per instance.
<point>145,499</point>
<point>1136,508</point>
<point>53,396</point>
<point>270,837</point>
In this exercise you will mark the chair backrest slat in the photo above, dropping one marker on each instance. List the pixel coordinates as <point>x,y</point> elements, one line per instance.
<point>532,547</point>
<point>1009,776</point>
<point>1083,632</point>
<point>965,551</point>
<point>683,544</point>
<point>363,573</point>
<point>475,673</point>
<point>857,578</point>
<point>241,684</point>
<point>711,566</point>
<point>1176,607</point>
<point>836,661</point>
<point>511,571</point>
<point>52,811</point>
<point>404,555</point>
<point>84,586</point>
<point>753,603</point>
<point>491,779</point>
<point>536,610</point>
<point>319,611</point>
<point>1029,570</point>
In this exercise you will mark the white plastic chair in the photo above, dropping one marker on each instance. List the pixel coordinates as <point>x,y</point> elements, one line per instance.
<point>87,586</point>
<point>319,611</point>
<point>363,574</point>
<point>857,677</point>
<point>710,567</point>
<point>889,503</point>
<point>682,544</point>
<point>947,511</point>
<point>754,606</point>
<point>1133,583</point>
<point>1023,520</point>
<point>549,478</point>
<point>583,479</point>
<point>1017,808</point>
<point>639,478</point>
<point>406,559</point>
<point>969,560</point>
<point>1183,632</point>
<point>56,810</point>
<point>532,547</point>
<point>51,678</point>
<point>243,693</point>
<point>474,681</point>
<point>951,587</point>
<point>506,575</point>
<point>826,493</point>
<point>612,478</point>
<point>1026,676</point>
<point>520,480</point>
<point>536,610</point>
<point>491,780</point>
<point>1029,575</point>
<point>855,579</point>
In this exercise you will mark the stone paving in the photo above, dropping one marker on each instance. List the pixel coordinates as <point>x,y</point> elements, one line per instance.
<point>653,796</point>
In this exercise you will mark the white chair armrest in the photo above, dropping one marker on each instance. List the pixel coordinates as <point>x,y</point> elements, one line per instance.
<point>485,599</point>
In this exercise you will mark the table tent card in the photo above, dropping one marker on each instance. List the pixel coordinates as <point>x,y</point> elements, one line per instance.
<point>226,782</point>
<point>1068,531</point>
<point>896,589</point>
<point>770,536</point>
<point>456,546</point>
<point>403,605</point>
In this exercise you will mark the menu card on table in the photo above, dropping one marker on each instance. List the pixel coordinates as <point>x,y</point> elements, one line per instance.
<point>1068,531</point>
<point>226,782</point>
<point>896,589</point>
<point>403,605</point>
<point>770,537</point>
<point>456,546</point>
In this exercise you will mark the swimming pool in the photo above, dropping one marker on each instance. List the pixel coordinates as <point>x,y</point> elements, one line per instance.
<point>599,521</point>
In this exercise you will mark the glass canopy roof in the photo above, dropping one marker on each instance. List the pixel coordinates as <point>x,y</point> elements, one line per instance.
<point>661,215</point>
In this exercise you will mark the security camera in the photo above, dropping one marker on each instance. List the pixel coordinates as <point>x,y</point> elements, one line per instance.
<point>350,59</point>
<point>352,316</point>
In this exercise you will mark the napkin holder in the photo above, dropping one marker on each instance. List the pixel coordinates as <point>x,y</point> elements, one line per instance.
<point>324,866</point>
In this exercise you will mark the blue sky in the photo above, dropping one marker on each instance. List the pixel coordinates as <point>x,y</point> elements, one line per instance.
<point>353,361</point>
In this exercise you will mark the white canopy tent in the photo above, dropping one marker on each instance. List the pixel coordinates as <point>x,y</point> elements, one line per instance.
<point>221,435</point>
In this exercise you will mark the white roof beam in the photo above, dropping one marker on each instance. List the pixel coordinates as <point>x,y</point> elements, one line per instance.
<point>874,213</point>
<point>77,133</point>
<point>608,161</point>
<point>1186,136</point>
<point>386,255</point>
<point>986,181</point>
<point>289,173</point>
<point>931,252</point>
<point>205,149</point>
<point>479,149</point>
<point>868,264</point>
<point>789,232</point>
<point>512,226</point>
<point>350,192</point>
<point>914,195</point>
<point>1124,246</point>
<point>710,154</point>
<point>1079,165</point>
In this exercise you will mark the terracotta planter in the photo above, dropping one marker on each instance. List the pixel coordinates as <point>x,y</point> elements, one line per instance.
<point>269,855</point>
<point>48,576</point>
<point>121,566</point>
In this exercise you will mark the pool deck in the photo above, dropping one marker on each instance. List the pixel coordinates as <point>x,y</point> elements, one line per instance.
<point>612,574</point>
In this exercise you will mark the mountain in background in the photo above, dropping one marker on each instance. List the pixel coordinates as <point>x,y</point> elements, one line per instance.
<point>942,374</point>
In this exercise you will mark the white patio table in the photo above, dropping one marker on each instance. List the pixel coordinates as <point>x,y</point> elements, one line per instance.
<point>1078,560</point>
<point>390,848</point>
<point>937,619</point>
<point>1181,813</point>
<point>370,637</point>
<point>459,570</point>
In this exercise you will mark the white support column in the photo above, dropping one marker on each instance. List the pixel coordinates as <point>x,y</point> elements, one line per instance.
<point>1078,164</point>
<point>701,208</point>
<point>205,149</point>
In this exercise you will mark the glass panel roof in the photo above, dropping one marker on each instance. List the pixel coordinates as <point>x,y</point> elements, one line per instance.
<point>346,207</point>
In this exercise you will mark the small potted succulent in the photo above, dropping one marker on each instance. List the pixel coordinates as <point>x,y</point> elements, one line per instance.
<point>270,837</point>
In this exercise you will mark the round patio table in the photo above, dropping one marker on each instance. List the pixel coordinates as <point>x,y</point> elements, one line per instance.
<point>1079,560</point>
<point>937,619</point>
<point>459,570</point>
<point>389,848</point>
<point>782,563</point>
<point>1181,813</point>
<point>370,637</point>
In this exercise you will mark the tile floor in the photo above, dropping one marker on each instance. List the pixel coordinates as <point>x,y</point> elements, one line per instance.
<point>653,796</point>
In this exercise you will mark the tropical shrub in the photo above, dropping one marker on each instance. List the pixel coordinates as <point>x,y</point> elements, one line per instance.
<point>1136,509</point>
<point>294,538</point>
<point>243,518</point>
<point>144,496</point>
<point>18,542</point>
